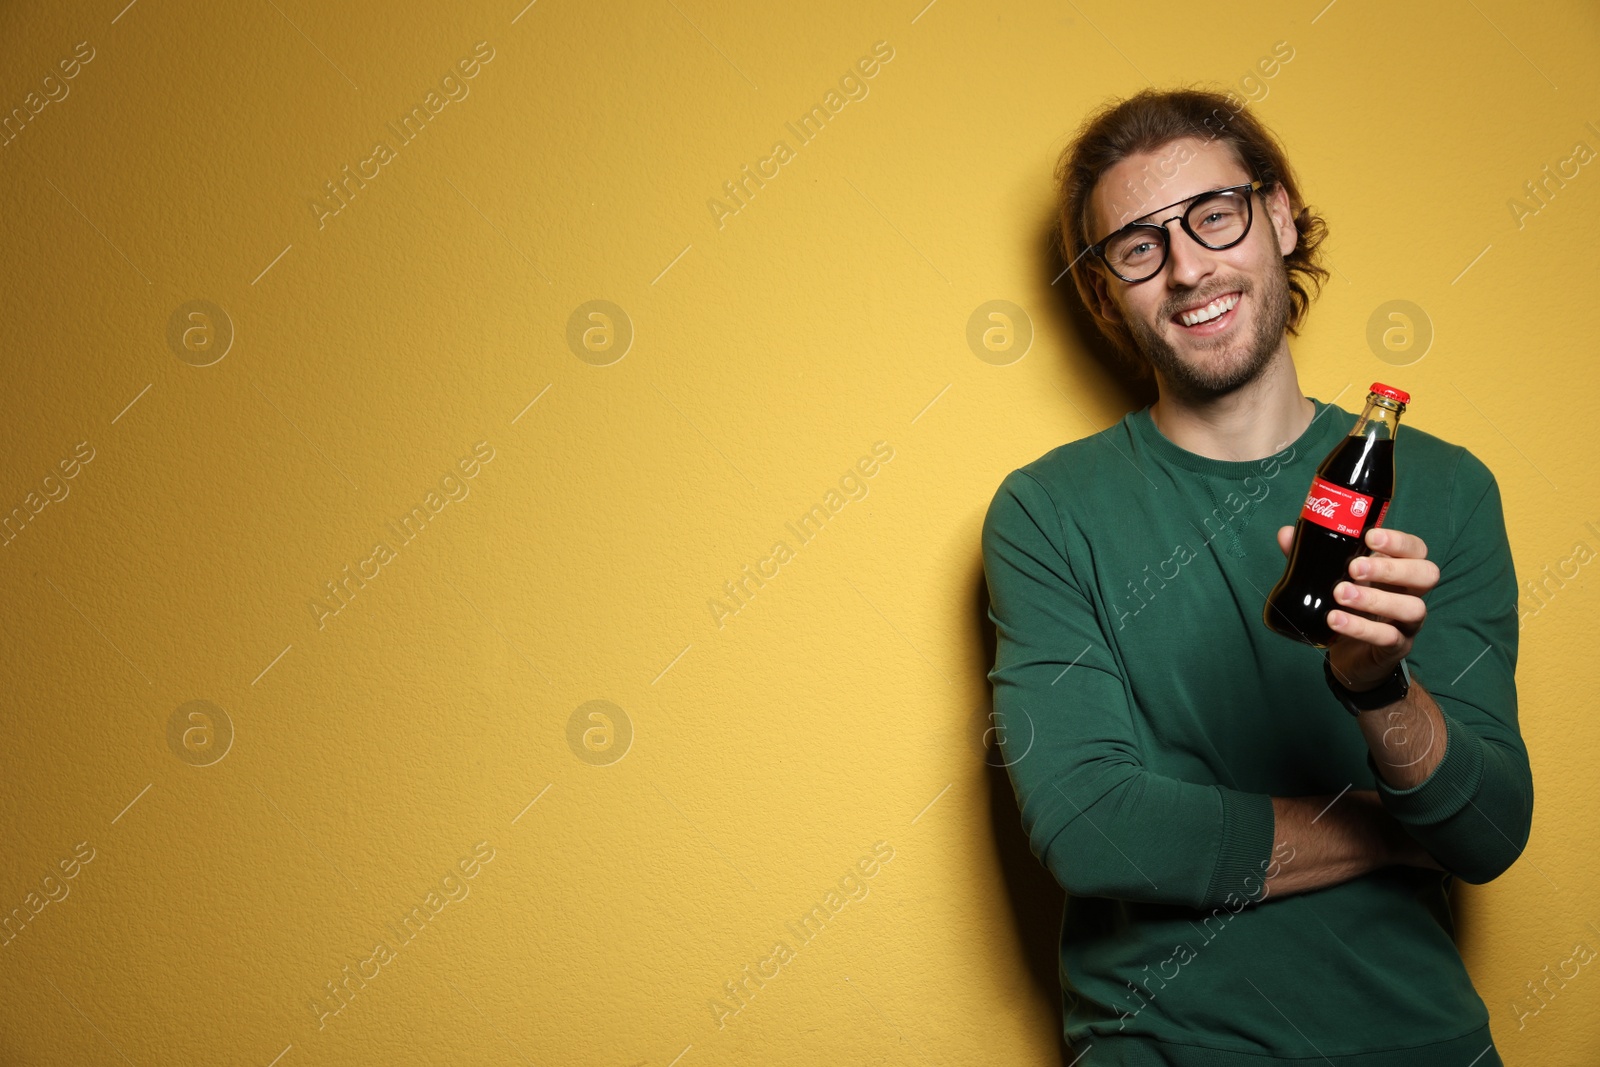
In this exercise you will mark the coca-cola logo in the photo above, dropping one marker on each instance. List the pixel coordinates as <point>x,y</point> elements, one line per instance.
<point>1322,505</point>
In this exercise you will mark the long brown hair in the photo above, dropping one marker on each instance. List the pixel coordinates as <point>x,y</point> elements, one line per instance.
<point>1145,123</point>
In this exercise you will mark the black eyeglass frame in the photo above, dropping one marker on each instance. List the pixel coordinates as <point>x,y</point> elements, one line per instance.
<point>1098,250</point>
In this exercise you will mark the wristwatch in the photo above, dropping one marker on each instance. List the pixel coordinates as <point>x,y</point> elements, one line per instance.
<point>1392,689</point>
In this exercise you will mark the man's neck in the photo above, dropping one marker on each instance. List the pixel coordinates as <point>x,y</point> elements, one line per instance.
<point>1252,422</point>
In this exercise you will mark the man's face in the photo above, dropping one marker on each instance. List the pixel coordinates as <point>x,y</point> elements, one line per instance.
<point>1212,358</point>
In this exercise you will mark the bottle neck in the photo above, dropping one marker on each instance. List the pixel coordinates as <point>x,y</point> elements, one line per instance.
<point>1379,420</point>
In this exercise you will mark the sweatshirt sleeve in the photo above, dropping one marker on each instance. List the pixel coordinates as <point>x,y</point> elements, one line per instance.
<point>1473,813</point>
<point>1101,823</point>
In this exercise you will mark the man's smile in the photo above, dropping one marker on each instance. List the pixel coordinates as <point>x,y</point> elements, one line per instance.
<point>1212,317</point>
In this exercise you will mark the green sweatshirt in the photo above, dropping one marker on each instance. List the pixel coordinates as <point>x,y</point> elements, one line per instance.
<point>1147,717</point>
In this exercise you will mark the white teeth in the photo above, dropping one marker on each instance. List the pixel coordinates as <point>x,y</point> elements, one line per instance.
<point>1209,312</point>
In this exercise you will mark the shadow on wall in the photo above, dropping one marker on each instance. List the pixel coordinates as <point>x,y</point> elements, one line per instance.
<point>1090,356</point>
<point>1037,902</point>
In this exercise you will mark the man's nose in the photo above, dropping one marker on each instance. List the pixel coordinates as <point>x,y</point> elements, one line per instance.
<point>1187,262</point>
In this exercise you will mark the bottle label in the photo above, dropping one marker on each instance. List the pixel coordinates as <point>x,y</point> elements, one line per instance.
<point>1337,508</point>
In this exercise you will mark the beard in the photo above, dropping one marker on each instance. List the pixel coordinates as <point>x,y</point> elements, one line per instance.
<point>1231,364</point>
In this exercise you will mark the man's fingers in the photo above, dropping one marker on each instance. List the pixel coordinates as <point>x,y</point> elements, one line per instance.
<point>1396,542</point>
<point>1415,575</point>
<point>1396,607</point>
<point>1370,631</point>
<point>1285,538</point>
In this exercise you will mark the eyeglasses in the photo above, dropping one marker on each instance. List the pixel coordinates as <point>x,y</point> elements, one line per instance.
<point>1216,220</point>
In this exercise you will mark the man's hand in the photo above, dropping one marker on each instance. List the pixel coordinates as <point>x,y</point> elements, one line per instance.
<point>1398,847</point>
<point>1383,606</point>
<point>1325,840</point>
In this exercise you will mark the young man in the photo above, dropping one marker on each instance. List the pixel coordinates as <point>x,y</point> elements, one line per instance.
<point>1257,858</point>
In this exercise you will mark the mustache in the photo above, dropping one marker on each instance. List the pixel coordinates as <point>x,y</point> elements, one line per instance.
<point>1192,300</point>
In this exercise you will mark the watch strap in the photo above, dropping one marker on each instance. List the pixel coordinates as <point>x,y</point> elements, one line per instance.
<point>1391,690</point>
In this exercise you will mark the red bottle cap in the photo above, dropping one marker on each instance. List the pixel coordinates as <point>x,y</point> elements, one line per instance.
<point>1391,392</point>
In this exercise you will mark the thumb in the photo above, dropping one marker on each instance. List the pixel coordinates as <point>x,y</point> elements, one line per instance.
<point>1285,538</point>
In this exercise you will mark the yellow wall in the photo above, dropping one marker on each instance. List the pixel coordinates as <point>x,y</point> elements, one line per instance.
<point>246,849</point>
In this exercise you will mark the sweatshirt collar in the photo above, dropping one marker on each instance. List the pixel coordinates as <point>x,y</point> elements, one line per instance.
<point>1328,424</point>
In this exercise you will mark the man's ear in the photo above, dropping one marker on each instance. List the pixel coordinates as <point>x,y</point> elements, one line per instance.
<point>1102,296</point>
<point>1283,219</point>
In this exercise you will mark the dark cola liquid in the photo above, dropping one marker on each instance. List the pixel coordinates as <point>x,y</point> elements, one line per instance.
<point>1320,558</point>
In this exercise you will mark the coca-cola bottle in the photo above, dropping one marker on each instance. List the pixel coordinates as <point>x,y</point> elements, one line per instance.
<point>1348,497</point>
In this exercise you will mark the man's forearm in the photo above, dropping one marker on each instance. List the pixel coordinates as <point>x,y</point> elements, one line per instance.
<point>1407,738</point>
<point>1322,841</point>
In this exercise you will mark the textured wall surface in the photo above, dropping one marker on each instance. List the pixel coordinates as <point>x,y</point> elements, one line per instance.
<point>395,394</point>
